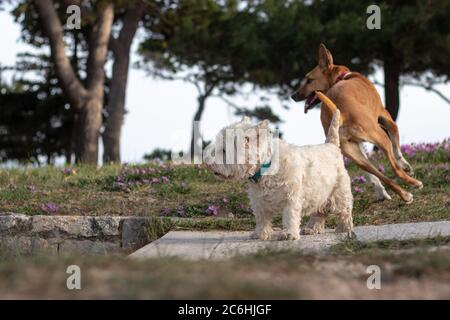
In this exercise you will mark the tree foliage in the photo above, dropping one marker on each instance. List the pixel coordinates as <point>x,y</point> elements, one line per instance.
<point>413,44</point>
<point>36,122</point>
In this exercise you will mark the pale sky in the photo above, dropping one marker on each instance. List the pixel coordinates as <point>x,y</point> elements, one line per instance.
<point>160,112</point>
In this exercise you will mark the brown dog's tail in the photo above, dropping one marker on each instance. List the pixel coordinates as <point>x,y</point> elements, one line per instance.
<point>333,130</point>
<point>328,104</point>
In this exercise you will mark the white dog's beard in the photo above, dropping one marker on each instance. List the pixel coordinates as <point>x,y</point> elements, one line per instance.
<point>233,171</point>
<point>240,150</point>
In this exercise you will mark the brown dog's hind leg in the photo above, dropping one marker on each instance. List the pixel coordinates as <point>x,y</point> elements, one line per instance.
<point>351,149</point>
<point>380,191</point>
<point>387,123</point>
<point>380,138</point>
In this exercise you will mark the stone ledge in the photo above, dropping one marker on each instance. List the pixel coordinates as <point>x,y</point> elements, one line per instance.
<point>12,223</point>
<point>28,245</point>
<point>63,234</point>
<point>81,233</point>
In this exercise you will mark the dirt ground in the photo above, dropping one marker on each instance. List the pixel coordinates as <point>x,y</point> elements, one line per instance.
<point>407,272</point>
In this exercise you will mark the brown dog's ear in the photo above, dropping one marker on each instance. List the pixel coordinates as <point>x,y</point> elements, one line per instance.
<point>325,58</point>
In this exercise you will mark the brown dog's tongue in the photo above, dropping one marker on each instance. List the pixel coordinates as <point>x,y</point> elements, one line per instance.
<point>309,104</point>
<point>306,109</point>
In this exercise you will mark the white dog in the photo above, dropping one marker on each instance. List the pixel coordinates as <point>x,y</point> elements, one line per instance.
<point>283,178</point>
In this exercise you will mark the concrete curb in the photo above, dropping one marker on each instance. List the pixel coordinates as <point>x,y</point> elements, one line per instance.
<point>219,245</point>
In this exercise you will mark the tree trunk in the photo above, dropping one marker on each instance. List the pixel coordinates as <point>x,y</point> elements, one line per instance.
<point>391,86</point>
<point>87,101</point>
<point>196,138</point>
<point>68,80</point>
<point>90,123</point>
<point>115,110</point>
<point>117,94</point>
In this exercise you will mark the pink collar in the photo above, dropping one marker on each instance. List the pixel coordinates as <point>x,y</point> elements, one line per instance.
<point>342,76</point>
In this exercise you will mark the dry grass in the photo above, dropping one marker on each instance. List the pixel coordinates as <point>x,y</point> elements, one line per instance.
<point>284,275</point>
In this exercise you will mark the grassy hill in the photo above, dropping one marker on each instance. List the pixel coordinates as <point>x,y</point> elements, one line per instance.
<point>193,191</point>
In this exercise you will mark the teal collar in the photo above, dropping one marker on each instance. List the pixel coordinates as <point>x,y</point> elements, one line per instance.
<point>255,178</point>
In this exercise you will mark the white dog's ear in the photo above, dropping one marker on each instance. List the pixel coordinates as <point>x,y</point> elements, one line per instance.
<point>264,124</point>
<point>246,119</point>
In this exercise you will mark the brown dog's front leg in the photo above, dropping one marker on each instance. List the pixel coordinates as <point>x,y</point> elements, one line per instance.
<point>351,150</point>
<point>380,138</point>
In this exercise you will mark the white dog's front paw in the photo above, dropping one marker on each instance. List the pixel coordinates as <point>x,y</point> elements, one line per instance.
<point>311,231</point>
<point>288,235</point>
<point>344,228</point>
<point>265,234</point>
<point>313,228</point>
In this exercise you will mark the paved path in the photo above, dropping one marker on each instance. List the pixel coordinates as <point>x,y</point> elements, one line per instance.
<point>223,244</point>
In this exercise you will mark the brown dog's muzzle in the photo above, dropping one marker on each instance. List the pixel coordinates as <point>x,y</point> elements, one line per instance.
<point>297,96</point>
<point>311,99</point>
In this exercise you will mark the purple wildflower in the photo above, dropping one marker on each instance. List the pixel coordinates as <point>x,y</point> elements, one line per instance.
<point>409,150</point>
<point>156,180</point>
<point>50,207</point>
<point>180,211</point>
<point>184,184</point>
<point>31,188</point>
<point>381,168</point>
<point>347,161</point>
<point>225,200</point>
<point>358,190</point>
<point>165,179</point>
<point>359,179</point>
<point>212,210</point>
<point>446,145</point>
<point>69,171</point>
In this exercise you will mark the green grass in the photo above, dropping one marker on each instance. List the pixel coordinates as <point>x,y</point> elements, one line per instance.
<point>209,223</point>
<point>188,191</point>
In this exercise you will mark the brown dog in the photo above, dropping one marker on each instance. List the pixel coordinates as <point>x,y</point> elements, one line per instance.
<point>364,118</point>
